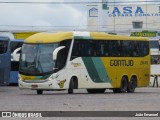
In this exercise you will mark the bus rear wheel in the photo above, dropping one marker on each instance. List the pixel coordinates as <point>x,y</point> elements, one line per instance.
<point>39,92</point>
<point>123,87</point>
<point>132,85</point>
<point>96,90</point>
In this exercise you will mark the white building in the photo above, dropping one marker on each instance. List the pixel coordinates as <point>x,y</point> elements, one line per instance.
<point>124,17</point>
<point>133,17</point>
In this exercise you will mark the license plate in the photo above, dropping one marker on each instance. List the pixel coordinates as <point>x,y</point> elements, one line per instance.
<point>34,86</point>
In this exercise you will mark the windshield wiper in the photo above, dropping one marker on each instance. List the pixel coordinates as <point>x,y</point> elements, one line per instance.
<point>39,65</point>
<point>29,67</point>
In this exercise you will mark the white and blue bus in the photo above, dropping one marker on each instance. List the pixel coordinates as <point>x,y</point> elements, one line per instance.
<point>9,67</point>
<point>5,59</point>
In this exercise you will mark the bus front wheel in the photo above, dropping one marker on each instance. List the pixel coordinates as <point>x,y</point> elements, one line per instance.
<point>71,86</point>
<point>39,92</point>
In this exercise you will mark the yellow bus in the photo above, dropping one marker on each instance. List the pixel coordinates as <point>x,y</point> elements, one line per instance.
<point>95,61</point>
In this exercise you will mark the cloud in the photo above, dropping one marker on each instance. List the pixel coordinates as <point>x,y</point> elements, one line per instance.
<point>46,16</point>
<point>42,15</point>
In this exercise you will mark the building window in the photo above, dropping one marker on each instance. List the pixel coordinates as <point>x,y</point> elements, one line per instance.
<point>137,24</point>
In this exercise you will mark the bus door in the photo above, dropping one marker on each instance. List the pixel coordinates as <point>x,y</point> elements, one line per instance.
<point>14,44</point>
<point>4,61</point>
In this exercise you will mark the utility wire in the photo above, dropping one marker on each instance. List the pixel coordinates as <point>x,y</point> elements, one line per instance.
<point>76,2</point>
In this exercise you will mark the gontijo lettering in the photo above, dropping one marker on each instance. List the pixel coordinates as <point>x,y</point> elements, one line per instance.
<point>121,63</point>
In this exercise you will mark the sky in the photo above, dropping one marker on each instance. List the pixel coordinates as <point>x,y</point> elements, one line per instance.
<point>44,16</point>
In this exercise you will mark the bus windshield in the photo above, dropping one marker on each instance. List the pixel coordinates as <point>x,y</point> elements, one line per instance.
<point>36,59</point>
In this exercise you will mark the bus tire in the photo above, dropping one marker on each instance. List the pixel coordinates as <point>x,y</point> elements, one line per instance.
<point>123,87</point>
<point>71,86</point>
<point>39,92</point>
<point>132,85</point>
<point>96,90</point>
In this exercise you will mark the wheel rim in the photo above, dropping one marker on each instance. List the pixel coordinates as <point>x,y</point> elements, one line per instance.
<point>132,84</point>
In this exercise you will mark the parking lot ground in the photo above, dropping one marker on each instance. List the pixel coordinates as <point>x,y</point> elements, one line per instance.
<point>14,99</point>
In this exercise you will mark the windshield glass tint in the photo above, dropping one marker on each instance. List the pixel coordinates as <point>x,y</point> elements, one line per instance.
<point>37,58</point>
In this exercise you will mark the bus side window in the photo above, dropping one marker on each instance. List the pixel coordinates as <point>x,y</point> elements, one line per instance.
<point>63,54</point>
<point>144,48</point>
<point>15,45</point>
<point>103,48</point>
<point>3,47</point>
<point>81,49</point>
<point>114,48</point>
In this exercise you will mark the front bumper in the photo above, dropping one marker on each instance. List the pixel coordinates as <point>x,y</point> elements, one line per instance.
<point>47,85</point>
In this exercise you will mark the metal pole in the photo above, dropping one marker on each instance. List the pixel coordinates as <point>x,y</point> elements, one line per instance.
<point>146,16</point>
<point>114,18</point>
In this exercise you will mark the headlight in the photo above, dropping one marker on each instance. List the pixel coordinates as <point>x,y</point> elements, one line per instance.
<point>55,75</point>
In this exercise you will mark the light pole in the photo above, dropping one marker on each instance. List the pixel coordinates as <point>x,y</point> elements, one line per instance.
<point>104,15</point>
<point>146,16</point>
<point>114,18</point>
